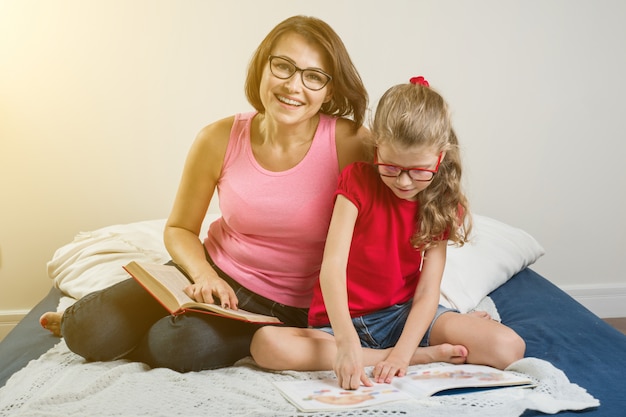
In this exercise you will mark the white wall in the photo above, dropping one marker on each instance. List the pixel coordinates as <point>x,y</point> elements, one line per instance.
<point>100,100</point>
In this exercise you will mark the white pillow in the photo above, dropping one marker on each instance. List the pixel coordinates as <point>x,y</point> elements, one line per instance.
<point>94,259</point>
<point>495,253</point>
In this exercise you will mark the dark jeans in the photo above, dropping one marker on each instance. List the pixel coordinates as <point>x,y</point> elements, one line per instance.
<point>125,321</point>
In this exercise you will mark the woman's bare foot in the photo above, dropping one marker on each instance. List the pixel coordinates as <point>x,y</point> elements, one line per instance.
<point>52,322</point>
<point>445,352</point>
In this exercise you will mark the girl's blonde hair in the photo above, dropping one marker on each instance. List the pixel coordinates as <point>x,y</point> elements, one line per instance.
<point>414,115</point>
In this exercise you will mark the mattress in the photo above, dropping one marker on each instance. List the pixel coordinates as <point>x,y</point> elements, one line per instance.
<point>555,327</point>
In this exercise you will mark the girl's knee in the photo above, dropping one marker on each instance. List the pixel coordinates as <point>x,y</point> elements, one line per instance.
<point>264,342</point>
<point>509,347</point>
<point>518,346</point>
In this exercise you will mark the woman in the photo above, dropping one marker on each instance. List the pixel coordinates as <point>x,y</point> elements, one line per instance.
<point>275,171</point>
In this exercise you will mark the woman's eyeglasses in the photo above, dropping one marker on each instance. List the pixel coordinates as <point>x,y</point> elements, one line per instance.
<point>416,174</point>
<point>283,68</point>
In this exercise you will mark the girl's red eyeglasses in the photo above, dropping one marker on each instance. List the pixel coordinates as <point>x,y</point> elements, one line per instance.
<point>416,174</point>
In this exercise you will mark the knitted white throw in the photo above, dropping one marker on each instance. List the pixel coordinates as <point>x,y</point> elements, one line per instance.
<point>61,384</point>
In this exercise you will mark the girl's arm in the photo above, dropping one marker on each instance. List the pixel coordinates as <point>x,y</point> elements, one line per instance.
<point>199,179</point>
<point>425,302</point>
<point>348,364</point>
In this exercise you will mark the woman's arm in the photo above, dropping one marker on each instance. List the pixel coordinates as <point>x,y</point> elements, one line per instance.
<point>423,309</point>
<point>349,361</point>
<point>198,183</point>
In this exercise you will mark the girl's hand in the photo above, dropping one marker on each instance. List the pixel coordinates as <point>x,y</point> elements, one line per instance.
<point>385,371</point>
<point>211,289</point>
<point>349,368</point>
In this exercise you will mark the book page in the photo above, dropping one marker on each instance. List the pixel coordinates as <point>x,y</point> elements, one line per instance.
<point>172,278</point>
<point>325,394</point>
<point>426,382</point>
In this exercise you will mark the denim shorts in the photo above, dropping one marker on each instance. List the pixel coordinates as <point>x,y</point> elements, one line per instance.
<point>382,329</point>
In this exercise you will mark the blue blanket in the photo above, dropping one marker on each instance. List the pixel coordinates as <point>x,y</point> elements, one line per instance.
<point>560,330</point>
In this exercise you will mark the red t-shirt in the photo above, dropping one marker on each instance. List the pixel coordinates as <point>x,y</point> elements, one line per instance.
<point>383,267</point>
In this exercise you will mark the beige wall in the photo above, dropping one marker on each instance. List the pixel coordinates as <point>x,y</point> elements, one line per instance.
<point>100,100</point>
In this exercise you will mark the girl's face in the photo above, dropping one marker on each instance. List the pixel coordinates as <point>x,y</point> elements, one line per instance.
<point>403,186</point>
<point>289,101</point>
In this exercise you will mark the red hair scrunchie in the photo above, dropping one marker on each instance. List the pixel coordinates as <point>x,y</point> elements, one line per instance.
<point>419,80</point>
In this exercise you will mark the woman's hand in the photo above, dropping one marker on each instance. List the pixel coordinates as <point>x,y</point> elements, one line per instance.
<point>211,289</point>
<point>349,368</point>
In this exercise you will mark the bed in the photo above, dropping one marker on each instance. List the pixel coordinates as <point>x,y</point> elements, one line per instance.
<point>577,359</point>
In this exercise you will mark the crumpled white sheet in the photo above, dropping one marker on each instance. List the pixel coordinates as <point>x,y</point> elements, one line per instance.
<point>94,259</point>
<point>60,384</point>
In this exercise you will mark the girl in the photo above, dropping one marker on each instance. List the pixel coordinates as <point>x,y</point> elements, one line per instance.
<point>377,300</point>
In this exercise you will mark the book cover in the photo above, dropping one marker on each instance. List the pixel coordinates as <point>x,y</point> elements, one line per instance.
<point>325,394</point>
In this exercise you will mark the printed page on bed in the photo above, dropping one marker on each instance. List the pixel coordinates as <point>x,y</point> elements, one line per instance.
<point>325,394</point>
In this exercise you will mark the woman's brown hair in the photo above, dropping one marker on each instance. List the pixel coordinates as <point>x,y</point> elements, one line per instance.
<point>349,97</point>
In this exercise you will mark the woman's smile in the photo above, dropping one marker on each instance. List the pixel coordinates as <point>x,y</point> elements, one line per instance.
<point>289,101</point>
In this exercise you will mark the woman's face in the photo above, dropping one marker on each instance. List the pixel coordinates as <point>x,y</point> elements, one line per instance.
<point>289,101</point>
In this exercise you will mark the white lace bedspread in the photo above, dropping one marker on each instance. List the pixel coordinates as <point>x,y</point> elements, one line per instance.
<point>62,384</point>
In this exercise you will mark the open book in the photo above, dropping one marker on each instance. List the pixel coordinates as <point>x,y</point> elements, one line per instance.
<point>166,283</point>
<point>325,394</point>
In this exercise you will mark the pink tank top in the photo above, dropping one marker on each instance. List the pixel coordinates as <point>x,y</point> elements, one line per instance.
<point>271,235</point>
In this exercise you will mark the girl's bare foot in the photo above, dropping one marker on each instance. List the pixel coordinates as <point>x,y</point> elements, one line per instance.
<point>52,322</point>
<point>445,352</point>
